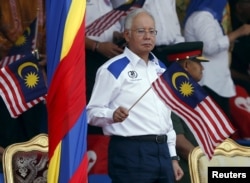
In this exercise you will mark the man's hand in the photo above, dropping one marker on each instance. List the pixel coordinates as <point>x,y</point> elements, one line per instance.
<point>109,49</point>
<point>178,172</point>
<point>120,114</point>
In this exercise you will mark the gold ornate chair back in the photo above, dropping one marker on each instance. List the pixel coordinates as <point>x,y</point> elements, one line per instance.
<point>26,162</point>
<point>227,154</point>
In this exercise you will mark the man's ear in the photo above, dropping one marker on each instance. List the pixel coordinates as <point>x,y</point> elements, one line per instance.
<point>126,35</point>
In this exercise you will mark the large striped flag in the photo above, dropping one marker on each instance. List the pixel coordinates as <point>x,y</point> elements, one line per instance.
<point>25,43</point>
<point>22,85</point>
<point>66,98</point>
<point>107,20</point>
<point>188,99</point>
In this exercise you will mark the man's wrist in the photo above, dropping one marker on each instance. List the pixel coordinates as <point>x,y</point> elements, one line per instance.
<point>175,158</point>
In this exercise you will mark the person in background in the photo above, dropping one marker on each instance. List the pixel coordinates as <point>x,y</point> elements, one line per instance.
<point>203,23</point>
<point>240,67</point>
<point>167,22</point>
<point>189,56</point>
<point>142,138</point>
<point>98,48</point>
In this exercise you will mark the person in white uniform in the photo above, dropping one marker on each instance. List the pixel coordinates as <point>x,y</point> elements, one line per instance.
<point>167,25</point>
<point>142,138</point>
<point>203,23</point>
<point>167,22</point>
<point>99,48</point>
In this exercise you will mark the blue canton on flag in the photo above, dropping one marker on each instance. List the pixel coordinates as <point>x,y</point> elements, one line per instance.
<point>184,86</point>
<point>26,42</point>
<point>29,77</point>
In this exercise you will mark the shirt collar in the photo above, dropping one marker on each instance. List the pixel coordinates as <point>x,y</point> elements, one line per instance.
<point>134,59</point>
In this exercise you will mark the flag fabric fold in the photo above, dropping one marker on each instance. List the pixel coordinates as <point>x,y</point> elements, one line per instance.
<point>66,100</point>
<point>25,44</point>
<point>22,85</point>
<point>188,99</point>
<point>101,24</point>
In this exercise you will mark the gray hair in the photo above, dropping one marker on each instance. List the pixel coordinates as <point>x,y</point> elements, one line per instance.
<point>130,17</point>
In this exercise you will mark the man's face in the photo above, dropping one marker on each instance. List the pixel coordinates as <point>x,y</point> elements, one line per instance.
<point>194,68</point>
<point>141,36</point>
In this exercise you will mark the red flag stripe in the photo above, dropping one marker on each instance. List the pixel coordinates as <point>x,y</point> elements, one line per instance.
<point>9,59</point>
<point>228,127</point>
<point>12,90</point>
<point>213,123</point>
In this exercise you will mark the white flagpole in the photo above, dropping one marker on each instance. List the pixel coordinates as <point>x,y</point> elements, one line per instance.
<point>36,29</point>
<point>140,98</point>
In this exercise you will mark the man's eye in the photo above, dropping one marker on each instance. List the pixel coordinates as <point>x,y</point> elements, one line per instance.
<point>152,32</point>
<point>141,31</point>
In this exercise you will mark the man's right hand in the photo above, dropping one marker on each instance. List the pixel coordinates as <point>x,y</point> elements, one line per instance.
<point>120,114</point>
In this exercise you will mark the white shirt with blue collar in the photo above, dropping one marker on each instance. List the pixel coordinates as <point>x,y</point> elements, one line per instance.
<point>121,81</point>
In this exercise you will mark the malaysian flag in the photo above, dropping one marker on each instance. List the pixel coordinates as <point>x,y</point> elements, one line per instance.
<point>107,20</point>
<point>187,98</point>
<point>24,44</point>
<point>22,85</point>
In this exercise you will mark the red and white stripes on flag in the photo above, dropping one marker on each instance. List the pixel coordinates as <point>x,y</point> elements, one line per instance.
<point>208,123</point>
<point>9,59</point>
<point>101,24</point>
<point>105,22</point>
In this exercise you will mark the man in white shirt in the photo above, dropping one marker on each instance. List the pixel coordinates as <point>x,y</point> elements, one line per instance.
<point>142,137</point>
<point>99,48</point>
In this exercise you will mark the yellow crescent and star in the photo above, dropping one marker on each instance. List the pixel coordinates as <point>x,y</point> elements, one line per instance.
<point>31,78</point>
<point>23,38</point>
<point>185,88</point>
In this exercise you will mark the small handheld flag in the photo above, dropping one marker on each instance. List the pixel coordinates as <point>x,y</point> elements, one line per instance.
<point>188,99</point>
<point>22,85</point>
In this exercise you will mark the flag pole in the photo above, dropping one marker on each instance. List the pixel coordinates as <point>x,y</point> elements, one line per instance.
<point>140,98</point>
<point>36,29</point>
